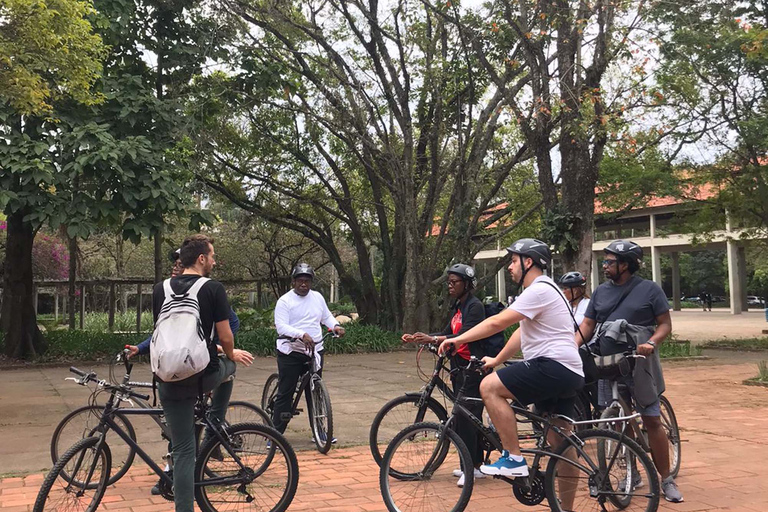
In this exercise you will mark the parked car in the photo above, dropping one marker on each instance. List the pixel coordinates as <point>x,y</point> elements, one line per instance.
<point>755,301</point>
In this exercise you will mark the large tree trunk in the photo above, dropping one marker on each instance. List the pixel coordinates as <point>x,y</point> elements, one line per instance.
<point>158,257</point>
<point>23,340</point>
<point>72,277</point>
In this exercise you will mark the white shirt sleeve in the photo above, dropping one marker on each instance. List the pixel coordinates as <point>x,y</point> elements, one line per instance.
<point>528,303</point>
<point>282,321</point>
<point>328,319</point>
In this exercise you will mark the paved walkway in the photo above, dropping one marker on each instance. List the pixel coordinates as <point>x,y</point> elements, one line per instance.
<point>699,326</point>
<point>723,427</point>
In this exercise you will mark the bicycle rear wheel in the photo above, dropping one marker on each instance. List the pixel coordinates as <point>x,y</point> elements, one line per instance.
<point>268,482</point>
<point>87,478</point>
<point>425,455</point>
<point>268,394</point>
<point>320,414</point>
<point>240,411</point>
<point>595,477</point>
<point>83,422</point>
<point>669,422</point>
<point>397,414</point>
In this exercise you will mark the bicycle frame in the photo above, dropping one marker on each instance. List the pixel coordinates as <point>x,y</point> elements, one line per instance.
<point>618,403</point>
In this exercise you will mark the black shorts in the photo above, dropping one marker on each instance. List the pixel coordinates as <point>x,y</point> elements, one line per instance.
<point>544,382</point>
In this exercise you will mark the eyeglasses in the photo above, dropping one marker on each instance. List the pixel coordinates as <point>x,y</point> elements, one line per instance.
<point>453,282</point>
<point>608,263</point>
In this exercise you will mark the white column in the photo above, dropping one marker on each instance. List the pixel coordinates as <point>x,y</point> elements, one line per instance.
<point>334,285</point>
<point>597,259</point>
<point>501,285</point>
<point>734,272</point>
<point>655,254</point>
<point>676,281</point>
<point>741,254</point>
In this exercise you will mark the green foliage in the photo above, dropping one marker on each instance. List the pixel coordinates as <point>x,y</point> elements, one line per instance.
<point>674,348</point>
<point>762,371</point>
<point>359,338</point>
<point>85,345</point>
<point>558,229</point>
<point>341,308</point>
<point>47,51</point>
<point>124,322</point>
<point>739,344</point>
<point>254,319</point>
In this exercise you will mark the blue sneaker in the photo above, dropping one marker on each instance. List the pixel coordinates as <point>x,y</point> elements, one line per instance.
<point>506,466</point>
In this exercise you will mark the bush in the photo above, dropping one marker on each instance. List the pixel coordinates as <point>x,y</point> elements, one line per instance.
<point>676,348</point>
<point>85,345</point>
<point>251,319</point>
<point>342,308</point>
<point>359,338</point>
<point>124,322</point>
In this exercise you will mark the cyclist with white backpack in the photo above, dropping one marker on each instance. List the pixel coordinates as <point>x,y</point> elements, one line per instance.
<point>188,309</point>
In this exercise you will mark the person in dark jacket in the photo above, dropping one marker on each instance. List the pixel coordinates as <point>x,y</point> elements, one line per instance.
<point>467,311</point>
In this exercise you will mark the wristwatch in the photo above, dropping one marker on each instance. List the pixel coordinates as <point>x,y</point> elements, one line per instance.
<point>652,343</point>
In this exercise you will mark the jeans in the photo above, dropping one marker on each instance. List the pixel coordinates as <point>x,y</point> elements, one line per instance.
<point>178,401</point>
<point>463,426</point>
<point>290,367</point>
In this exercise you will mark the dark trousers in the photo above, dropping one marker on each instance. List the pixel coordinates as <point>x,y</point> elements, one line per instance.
<point>463,426</point>
<point>290,368</point>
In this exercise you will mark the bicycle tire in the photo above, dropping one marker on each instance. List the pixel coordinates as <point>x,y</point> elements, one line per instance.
<point>608,414</point>
<point>320,415</point>
<point>669,422</point>
<point>597,479</point>
<point>269,393</point>
<point>437,480</point>
<point>260,444</point>
<point>77,454</point>
<point>374,438</point>
<point>240,411</point>
<point>85,421</point>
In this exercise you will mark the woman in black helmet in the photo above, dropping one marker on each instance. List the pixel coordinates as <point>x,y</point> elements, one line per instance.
<point>467,311</point>
<point>574,287</point>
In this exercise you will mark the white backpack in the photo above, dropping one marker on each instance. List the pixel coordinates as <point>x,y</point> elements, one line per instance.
<point>179,348</point>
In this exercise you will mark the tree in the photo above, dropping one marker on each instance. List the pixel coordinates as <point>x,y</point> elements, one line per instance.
<point>48,53</point>
<point>714,76</point>
<point>358,122</point>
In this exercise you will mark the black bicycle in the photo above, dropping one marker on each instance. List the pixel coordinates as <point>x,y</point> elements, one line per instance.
<point>589,470</point>
<point>318,400</point>
<point>415,407</point>
<point>244,466</point>
<point>83,421</point>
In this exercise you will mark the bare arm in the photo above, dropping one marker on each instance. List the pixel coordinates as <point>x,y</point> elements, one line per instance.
<point>510,349</point>
<point>663,328</point>
<point>586,328</point>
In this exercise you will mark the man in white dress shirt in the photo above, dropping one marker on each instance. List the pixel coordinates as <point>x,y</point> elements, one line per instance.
<point>298,315</point>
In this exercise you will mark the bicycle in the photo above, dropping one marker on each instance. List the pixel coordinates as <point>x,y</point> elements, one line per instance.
<point>318,400</point>
<point>243,464</point>
<point>83,421</point>
<point>589,470</point>
<point>619,407</point>
<point>415,407</point>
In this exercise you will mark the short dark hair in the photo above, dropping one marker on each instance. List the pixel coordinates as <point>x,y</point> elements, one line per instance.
<point>193,246</point>
<point>632,264</point>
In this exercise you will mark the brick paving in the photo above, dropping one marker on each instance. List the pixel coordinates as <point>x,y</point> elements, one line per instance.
<point>724,454</point>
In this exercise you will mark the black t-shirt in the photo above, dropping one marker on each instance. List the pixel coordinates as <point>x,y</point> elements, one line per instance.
<point>214,307</point>
<point>644,303</point>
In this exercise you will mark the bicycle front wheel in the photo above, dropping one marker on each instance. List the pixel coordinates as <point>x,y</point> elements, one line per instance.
<point>320,414</point>
<point>397,414</point>
<point>425,455</point>
<point>607,472</point>
<point>269,393</point>
<point>267,480</point>
<point>669,422</point>
<point>87,478</point>
<point>84,422</point>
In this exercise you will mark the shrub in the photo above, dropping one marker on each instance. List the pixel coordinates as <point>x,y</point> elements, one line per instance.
<point>675,348</point>
<point>342,308</point>
<point>251,319</point>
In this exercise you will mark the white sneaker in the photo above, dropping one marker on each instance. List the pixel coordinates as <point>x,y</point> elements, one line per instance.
<point>460,474</point>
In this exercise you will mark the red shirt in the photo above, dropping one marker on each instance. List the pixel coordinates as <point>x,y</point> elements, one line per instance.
<point>463,351</point>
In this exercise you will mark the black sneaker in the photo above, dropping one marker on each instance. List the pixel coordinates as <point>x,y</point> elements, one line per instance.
<point>156,489</point>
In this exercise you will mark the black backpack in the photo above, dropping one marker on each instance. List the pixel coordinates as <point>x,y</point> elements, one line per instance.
<point>492,345</point>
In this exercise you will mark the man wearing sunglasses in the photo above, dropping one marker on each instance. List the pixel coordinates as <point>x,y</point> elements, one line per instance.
<point>641,303</point>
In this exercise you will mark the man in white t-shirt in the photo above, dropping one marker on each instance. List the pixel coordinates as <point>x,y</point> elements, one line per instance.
<point>298,315</point>
<point>551,371</point>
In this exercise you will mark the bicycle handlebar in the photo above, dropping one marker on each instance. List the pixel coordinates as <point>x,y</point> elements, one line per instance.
<point>91,377</point>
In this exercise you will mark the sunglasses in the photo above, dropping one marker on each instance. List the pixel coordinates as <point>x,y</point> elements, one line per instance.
<point>608,263</point>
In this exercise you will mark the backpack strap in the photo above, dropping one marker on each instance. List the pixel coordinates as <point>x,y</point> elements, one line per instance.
<point>195,288</point>
<point>624,295</point>
<point>570,309</point>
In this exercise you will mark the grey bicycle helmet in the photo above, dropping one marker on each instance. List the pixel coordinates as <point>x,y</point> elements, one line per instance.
<point>303,269</point>
<point>465,272</point>
<point>572,280</point>
<point>532,248</point>
<point>626,251</point>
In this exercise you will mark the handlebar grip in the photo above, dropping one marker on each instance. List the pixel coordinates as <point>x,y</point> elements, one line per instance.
<point>139,395</point>
<point>140,384</point>
<point>77,371</point>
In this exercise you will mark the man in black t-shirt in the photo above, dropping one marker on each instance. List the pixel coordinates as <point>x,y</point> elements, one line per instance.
<point>644,304</point>
<point>178,398</point>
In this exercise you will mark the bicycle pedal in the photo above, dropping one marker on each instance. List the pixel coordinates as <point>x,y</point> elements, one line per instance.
<point>297,411</point>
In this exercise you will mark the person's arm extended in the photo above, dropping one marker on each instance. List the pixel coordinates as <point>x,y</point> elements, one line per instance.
<point>585,331</point>
<point>489,326</point>
<point>510,349</point>
<point>234,322</point>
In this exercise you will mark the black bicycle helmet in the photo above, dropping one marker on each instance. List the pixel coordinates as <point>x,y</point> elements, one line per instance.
<point>303,269</point>
<point>532,248</point>
<point>626,251</point>
<point>572,280</point>
<point>465,272</point>
<point>174,255</point>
